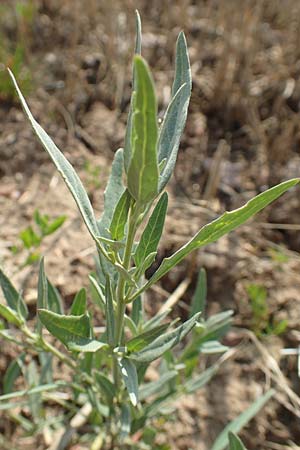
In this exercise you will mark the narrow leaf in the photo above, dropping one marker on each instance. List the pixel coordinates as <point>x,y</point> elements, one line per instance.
<point>98,296</point>
<point>139,342</point>
<point>106,386</point>
<point>13,298</point>
<point>130,378</point>
<point>237,424</point>
<point>119,219</point>
<point>137,310</point>
<point>42,298</point>
<point>12,373</point>
<point>10,315</point>
<point>79,303</point>
<point>156,387</point>
<point>234,442</point>
<point>66,170</point>
<point>138,38</point>
<point>221,226</point>
<point>165,342</point>
<point>143,173</point>
<point>55,303</point>
<point>152,232</point>
<point>109,312</point>
<point>199,297</point>
<point>125,421</point>
<point>175,117</point>
<point>201,380</point>
<point>156,320</point>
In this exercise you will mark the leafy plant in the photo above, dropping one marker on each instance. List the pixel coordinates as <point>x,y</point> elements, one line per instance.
<point>262,322</point>
<point>108,369</point>
<point>32,238</point>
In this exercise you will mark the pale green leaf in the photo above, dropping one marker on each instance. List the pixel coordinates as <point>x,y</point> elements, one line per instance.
<point>12,373</point>
<point>139,342</point>
<point>125,421</point>
<point>199,297</point>
<point>175,117</point>
<point>152,232</point>
<point>221,226</point>
<point>10,315</point>
<point>164,342</point>
<point>42,298</point>
<point>129,374</point>
<point>142,179</point>
<point>13,298</point>
<point>79,303</point>
<point>63,166</point>
<point>120,215</point>
<point>156,387</point>
<point>107,387</point>
<point>237,424</point>
<point>55,303</point>
<point>109,313</point>
<point>235,443</point>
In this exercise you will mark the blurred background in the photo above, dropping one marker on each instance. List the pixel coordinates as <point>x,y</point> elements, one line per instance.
<point>72,60</point>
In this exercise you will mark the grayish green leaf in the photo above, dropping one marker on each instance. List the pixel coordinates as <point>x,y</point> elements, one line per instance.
<point>10,315</point>
<point>152,232</point>
<point>55,303</point>
<point>119,219</point>
<point>98,296</point>
<point>221,226</point>
<point>142,180</point>
<point>237,424</point>
<point>109,312</point>
<point>156,320</point>
<point>156,387</point>
<point>42,298</point>
<point>13,298</point>
<point>12,373</point>
<point>213,347</point>
<point>129,374</point>
<point>106,386</point>
<point>66,170</point>
<point>175,117</point>
<point>139,342</point>
<point>165,342</point>
<point>199,297</point>
<point>234,442</point>
<point>79,303</point>
<point>201,380</point>
<point>125,421</point>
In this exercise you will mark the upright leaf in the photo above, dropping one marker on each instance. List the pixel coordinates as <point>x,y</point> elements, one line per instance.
<point>237,424</point>
<point>129,374</point>
<point>199,297</point>
<point>55,303</point>
<point>221,226</point>
<point>42,298</point>
<point>235,443</point>
<point>12,296</point>
<point>109,312</point>
<point>12,373</point>
<point>156,387</point>
<point>142,179</point>
<point>112,193</point>
<point>119,219</point>
<point>137,51</point>
<point>63,166</point>
<point>153,231</point>
<point>140,341</point>
<point>164,342</point>
<point>79,303</point>
<point>175,117</point>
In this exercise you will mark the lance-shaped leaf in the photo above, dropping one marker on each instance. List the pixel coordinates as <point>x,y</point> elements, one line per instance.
<point>73,331</point>
<point>137,51</point>
<point>199,297</point>
<point>237,424</point>
<point>156,387</point>
<point>12,373</point>
<point>119,219</point>
<point>165,342</point>
<point>139,342</point>
<point>142,179</point>
<point>13,298</point>
<point>175,117</point>
<point>10,315</point>
<point>235,443</point>
<point>112,193</point>
<point>109,312</point>
<point>153,231</point>
<point>42,298</point>
<point>63,166</point>
<point>224,224</point>
<point>129,374</point>
<point>107,387</point>
<point>55,303</point>
<point>79,303</point>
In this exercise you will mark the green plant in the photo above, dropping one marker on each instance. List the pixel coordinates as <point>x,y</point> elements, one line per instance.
<point>108,367</point>
<point>262,323</point>
<point>32,237</point>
